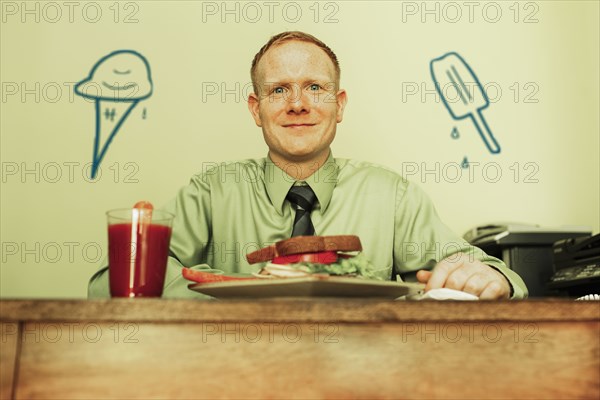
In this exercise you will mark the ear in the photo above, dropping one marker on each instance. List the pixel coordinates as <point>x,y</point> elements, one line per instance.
<point>253,106</point>
<point>342,99</point>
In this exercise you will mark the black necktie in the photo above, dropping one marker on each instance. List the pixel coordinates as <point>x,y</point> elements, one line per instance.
<point>303,200</point>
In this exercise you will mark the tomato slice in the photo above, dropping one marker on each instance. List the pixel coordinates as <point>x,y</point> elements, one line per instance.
<point>143,205</point>
<point>322,257</point>
<point>207,277</point>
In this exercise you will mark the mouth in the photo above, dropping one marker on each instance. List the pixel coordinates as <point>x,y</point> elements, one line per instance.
<point>298,126</point>
<point>117,87</point>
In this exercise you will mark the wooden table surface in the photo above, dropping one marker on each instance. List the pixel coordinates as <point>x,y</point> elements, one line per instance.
<point>298,348</point>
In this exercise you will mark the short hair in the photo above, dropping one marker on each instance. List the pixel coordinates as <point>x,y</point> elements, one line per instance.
<point>288,37</point>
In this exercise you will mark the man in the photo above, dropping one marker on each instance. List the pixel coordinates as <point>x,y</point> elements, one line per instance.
<point>235,208</point>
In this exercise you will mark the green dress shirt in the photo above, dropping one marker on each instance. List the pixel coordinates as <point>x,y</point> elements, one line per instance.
<point>234,208</point>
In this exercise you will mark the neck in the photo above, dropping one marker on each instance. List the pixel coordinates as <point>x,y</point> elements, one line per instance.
<point>299,169</point>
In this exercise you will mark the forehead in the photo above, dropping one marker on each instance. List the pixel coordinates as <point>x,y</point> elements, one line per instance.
<point>295,60</point>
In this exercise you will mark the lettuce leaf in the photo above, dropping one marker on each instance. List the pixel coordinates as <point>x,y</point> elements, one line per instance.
<point>357,266</point>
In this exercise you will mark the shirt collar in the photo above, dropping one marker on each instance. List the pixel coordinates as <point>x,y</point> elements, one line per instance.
<point>322,182</point>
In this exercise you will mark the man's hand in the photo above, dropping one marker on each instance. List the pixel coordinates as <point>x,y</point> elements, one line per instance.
<point>471,276</point>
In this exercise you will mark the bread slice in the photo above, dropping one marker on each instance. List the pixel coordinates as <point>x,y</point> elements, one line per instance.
<point>305,244</point>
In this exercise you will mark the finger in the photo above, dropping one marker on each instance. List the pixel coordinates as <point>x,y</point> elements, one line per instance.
<point>458,278</point>
<point>476,283</point>
<point>494,291</point>
<point>442,270</point>
<point>423,276</point>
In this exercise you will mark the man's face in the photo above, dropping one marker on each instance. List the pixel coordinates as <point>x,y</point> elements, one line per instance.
<point>298,105</point>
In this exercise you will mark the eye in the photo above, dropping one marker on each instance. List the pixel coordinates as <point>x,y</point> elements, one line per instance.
<point>278,90</point>
<point>314,86</point>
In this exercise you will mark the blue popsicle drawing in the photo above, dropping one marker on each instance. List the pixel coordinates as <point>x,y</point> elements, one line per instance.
<point>451,70</point>
<point>116,83</point>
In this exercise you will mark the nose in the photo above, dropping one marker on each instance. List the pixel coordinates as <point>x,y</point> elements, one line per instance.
<point>298,102</point>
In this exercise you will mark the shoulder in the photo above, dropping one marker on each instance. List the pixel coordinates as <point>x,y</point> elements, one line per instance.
<point>231,172</point>
<point>378,177</point>
<point>349,168</point>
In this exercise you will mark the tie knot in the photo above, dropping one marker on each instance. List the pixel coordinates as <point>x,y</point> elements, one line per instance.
<point>302,197</point>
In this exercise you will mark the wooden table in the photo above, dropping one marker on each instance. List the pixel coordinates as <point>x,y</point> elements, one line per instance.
<point>342,348</point>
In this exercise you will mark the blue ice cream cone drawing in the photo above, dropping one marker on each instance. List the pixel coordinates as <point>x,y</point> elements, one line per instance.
<point>116,83</point>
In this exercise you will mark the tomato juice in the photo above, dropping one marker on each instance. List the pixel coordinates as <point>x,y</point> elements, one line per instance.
<point>137,256</point>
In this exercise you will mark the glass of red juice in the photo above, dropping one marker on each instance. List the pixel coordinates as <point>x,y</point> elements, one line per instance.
<point>138,249</point>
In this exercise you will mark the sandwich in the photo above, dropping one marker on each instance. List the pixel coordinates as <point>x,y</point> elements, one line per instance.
<point>300,256</point>
<point>305,255</point>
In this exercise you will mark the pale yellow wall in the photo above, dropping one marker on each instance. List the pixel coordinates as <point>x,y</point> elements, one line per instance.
<point>384,48</point>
